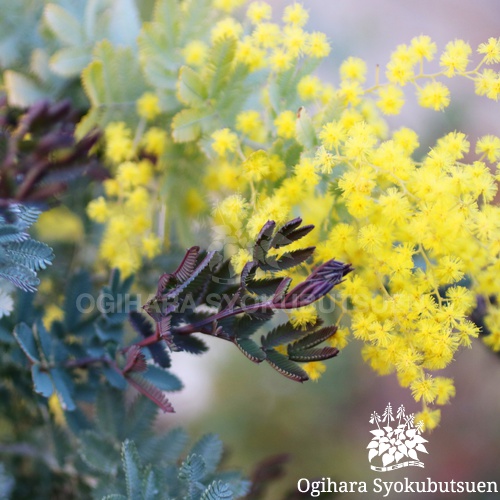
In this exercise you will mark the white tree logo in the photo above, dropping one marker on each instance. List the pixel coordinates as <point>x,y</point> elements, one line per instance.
<point>394,444</point>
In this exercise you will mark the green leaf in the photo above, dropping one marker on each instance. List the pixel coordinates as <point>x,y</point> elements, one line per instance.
<point>94,14</point>
<point>124,23</point>
<point>198,16</point>
<point>190,88</point>
<point>64,388</point>
<point>186,125</point>
<point>132,468</point>
<point>22,90</point>
<point>113,82</point>
<point>70,61</point>
<point>88,122</point>
<point>159,60</point>
<point>286,367</point>
<point>99,452</point>
<point>41,381</point>
<point>26,340</point>
<point>217,490</point>
<point>210,449</point>
<point>306,135</point>
<point>63,25</point>
<point>282,334</point>
<point>40,66</point>
<point>162,379</point>
<point>250,349</point>
<point>219,64</point>
<point>166,14</point>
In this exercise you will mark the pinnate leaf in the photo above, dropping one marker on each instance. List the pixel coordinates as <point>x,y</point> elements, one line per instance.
<point>217,490</point>
<point>286,367</point>
<point>250,349</point>
<point>280,335</point>
<point>190,88</point>
<point>318,354</point>
<point>210,449</point>
<point>313,339</point>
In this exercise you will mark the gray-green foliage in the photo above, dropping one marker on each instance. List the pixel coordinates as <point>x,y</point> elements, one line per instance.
<point>118,448</point>
<point>122,48</point>
<point>20,256</point>
<point>129,461</point>
<point>45,46</point>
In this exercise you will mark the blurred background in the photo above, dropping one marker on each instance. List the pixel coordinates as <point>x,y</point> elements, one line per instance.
<point>325,425</point>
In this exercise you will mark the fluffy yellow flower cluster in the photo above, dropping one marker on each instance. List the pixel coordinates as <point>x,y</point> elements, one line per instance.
<point>422,235</point>
<point>270,45</point>
<point>131,200</point>
<point>414,230</point>
<point>406,65</point>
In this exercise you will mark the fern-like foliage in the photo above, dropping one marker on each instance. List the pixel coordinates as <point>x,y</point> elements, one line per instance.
<point>20,256</point>
<point>245,304</point>
<point>130,461</point>
<point>202,296</point>
<point>103,345</point>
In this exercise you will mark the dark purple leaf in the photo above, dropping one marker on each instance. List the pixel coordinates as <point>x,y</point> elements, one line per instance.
<point>282,334</point>
<point>313,339</point>
<point>263,241</point>
<point>186,268</point>
<point>283,365</point>
<point>303,294</point>
<point>316,354</point>
<point>332,271</point>
<point>135,360</point>
<point>284,238</point>
<point>248,272</point>
<point>287,260</point>
<point>265,287</point>
<point>164,327</point>
<point>150,391</point>
<point>250,349</point>
<point>141,324</point>
<point>189,343</point>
